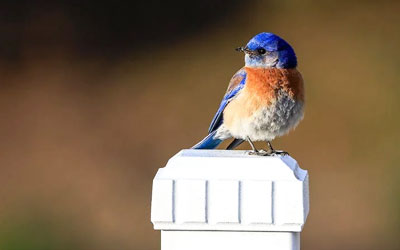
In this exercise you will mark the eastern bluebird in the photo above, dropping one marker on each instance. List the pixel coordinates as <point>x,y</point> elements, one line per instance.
<point>264,99</point>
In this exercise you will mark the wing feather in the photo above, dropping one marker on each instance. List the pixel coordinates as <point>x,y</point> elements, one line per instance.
<point>235,85</point>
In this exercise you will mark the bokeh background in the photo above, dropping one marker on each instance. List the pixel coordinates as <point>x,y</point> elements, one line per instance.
<point>96,96</point>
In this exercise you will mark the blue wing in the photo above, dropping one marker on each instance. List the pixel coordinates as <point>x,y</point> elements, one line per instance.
<point>235,85</point>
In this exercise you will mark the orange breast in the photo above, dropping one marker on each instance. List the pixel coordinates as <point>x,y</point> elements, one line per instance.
<point>261,90</point>
<point>266,83</point>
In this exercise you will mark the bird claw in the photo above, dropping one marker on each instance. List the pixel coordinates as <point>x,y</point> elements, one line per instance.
<point>259,153</point>
<point>279,152</point>
<point>268,153</point>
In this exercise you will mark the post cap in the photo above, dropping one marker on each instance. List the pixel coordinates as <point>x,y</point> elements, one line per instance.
<point>229,190</point>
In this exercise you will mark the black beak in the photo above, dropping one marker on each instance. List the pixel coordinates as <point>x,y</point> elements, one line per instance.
<point>246,50</point>
<point>239,49</point>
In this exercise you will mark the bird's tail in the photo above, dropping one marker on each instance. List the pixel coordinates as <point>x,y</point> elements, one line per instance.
<point>209,142</point>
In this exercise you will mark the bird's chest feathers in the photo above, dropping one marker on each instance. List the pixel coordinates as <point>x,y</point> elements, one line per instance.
<point>266,84</point>
<point>270,103</point>
<point>264,89</point>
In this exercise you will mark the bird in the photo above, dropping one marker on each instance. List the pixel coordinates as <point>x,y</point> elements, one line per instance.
<point>264,99</point>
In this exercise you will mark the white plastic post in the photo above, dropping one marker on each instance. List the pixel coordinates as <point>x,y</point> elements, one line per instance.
<point>227,199</point>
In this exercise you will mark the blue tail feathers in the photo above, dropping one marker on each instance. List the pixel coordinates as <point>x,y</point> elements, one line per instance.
<point>209,142</point>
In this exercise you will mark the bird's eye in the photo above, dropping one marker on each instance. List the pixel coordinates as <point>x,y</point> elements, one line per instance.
<point>261,51</point>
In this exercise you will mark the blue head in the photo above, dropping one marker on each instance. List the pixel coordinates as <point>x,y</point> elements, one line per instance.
<point>267,50</point>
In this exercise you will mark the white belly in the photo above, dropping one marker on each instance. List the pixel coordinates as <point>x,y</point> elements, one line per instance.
<point>267,122</point>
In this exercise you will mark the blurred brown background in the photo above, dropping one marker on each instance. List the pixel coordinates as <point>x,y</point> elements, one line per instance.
<point>95,97</point>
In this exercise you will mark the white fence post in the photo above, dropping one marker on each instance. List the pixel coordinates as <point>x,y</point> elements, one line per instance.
<point>226,199</point>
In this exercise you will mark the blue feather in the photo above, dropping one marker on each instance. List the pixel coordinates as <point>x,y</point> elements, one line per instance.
<point>272,42</point>
<point>237,83</point>
<point>218,119</point>
<point>209,142</point>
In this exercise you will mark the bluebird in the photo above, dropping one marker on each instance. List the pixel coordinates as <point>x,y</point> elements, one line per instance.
<point>264,99</point>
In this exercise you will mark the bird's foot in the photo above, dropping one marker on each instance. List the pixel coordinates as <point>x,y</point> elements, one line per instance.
<point>268,153</point>
<point>278,152</point>
<point>261,152</point>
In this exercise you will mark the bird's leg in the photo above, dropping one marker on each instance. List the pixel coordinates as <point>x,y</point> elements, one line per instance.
<point>252,145</point>
<point>272,151</point>
<point>270,146</point>
<point>255,151</point>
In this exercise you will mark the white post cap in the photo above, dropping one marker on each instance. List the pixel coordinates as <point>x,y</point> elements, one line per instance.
<point>229,190</point>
